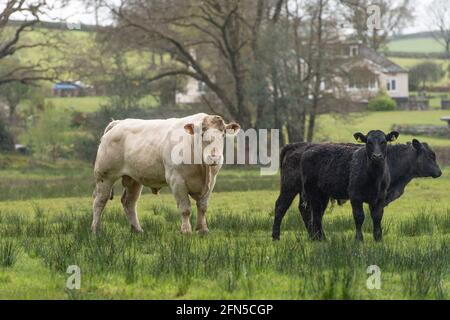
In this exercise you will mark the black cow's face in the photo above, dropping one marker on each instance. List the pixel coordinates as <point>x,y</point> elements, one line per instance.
<point>376,143</point>
<point>426,160</point>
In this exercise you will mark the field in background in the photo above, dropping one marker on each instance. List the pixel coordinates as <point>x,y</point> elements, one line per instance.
<point>408,63</point>
<point>419,45</point>
<point>331,128</point>
<point>39,239</point>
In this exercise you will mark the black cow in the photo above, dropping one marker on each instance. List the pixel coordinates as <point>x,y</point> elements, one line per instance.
<point>406,162</point>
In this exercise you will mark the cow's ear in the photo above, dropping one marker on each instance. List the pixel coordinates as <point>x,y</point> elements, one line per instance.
<point>232,128</point>
<point>417,145</point>
<point>360,137</point>
<point>392,136</point>
<point>189,128</point>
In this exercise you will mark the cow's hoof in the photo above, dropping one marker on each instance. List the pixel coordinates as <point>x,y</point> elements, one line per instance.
<point>203,232</point>
<point>186,230</point>
<point>137,230</point>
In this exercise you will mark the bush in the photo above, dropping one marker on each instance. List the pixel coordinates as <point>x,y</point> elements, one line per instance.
<point>85,148</point>
<point>382,102</point>
<point>48,134</point>
<point>424,73</point>
<point>6,139</point>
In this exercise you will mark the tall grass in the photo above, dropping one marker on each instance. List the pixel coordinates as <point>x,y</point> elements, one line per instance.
<point>236,254</point>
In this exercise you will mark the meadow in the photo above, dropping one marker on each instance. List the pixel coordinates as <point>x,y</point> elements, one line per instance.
<point>41,237</point>
<point>45,217</point>
<point>426,44</point>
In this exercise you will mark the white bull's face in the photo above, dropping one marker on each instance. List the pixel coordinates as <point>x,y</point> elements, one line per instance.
<point>212,137</point>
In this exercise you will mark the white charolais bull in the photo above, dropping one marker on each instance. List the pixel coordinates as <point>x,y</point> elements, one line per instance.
<point>141,152</point>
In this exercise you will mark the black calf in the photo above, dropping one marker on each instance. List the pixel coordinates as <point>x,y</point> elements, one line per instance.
<point>406,162</point>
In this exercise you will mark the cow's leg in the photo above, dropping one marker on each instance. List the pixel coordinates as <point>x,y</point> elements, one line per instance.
<point>358,215</point>
<point>319,217</point>
<point>131,193</point>
<point>376,211</point>
<point>306,213</point>
<point>318,203</point>
<point>282,204</point>
<point>181,194</point>
<point>202,227</point>
<point>101,196</point>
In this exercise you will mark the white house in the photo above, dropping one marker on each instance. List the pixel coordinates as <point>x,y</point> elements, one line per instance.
<point>367,72</point>
<point>381,73</point>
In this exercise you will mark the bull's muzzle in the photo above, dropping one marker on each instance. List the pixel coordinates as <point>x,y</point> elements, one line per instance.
<point>213,160</point>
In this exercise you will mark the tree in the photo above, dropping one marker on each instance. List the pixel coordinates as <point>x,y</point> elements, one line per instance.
<point>394,15</point>
<point>209,40</point>
<point>423,73</point>
<point>12,33</point>
<point>48,137</point>
<point>13,93</point>
<point>6,138</point>
<point>439,14</point>
<point>264,63</point>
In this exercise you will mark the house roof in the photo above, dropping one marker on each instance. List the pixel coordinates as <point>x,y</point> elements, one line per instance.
<point>65,86</point>
<point>381,60</point>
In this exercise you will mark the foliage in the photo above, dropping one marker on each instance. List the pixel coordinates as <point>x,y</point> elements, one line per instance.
<point>13,93</point>
<point>47,133</point>
<point>424,73</point>
<point>6,138</point>
<point>237,260</point>
<point>381,102</point>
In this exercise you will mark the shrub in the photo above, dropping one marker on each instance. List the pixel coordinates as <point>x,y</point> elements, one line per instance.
<point>424,73</point>
<point>6,138</point>
<point>382,102</point>
<point>85,148</point>
<point>48,133</point>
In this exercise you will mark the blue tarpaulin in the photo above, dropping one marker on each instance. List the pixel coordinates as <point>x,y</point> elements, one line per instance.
<point>65,86</point>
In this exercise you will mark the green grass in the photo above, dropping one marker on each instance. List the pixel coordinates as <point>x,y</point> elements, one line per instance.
<point>237,260</point>
<point>420,45</point>
<point>339,128</point>
<point>408,63</point>
<point>92,104</point>
<point>80,104</point>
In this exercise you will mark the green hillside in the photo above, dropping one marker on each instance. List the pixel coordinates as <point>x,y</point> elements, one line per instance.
<point>417,45</point>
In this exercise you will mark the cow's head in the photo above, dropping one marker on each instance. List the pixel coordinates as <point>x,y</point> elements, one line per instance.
<point>426,165</point>
<point>213,131</point>
<point>376,143</point>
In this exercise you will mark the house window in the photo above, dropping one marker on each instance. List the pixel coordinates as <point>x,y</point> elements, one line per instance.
<point>392,85</point>
<point>354,51</point>
<point>373,85</point>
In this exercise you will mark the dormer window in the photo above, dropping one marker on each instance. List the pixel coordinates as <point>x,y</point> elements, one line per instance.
<point>354,51</point>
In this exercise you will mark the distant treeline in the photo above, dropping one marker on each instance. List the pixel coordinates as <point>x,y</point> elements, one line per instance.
<point>416,55</point>
<point>424,34</point>
<point>62,25</point>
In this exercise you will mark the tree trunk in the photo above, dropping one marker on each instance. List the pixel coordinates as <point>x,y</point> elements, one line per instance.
<point>312,119</point>
<point>12,114</point>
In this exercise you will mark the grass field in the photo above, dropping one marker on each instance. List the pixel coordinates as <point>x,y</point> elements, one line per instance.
<point>342,128</point>
<point>92,104</point>
<point>40,238</point>
<point>421,45</point>
<point>408,63</point>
